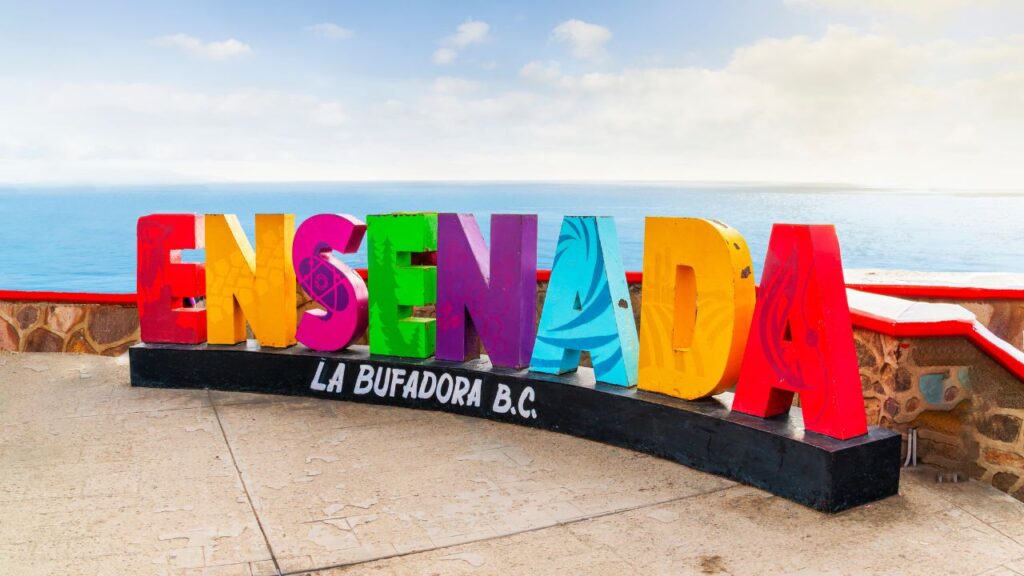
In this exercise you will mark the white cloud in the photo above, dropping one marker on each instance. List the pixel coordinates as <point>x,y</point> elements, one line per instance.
<point>845,106</point>
<point>142,132</point>
<point>454,85</point>
<point>918,8</point>
<point>468,33</point>
<point>330,30</point>
<point>444,56</point>
<point>586,40</point>
<point>219,50</point>
<point>541,72</point>
<point>995,51</point>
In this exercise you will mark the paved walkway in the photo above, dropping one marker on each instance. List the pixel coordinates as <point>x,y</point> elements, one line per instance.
<point>99,478</point>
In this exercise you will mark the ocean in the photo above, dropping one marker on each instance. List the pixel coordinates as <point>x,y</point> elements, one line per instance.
<point>82,239</point>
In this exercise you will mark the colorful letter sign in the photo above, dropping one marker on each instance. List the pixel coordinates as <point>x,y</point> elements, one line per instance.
<point>701,331</point>
<point>163,281</point>
<point>489,297</point>
<point>801,339</point>
<point>242,285</point>
<point>587,306</point>
<point>396,284</point>
<point>329,282</point>
<point>698,298</point>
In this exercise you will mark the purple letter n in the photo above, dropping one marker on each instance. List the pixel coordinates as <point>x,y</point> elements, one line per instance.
<point>493,299</point>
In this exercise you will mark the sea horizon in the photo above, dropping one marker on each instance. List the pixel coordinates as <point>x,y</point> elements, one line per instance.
<point>967,232</point>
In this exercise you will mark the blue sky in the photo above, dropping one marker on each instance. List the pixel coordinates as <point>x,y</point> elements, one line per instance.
<point>919,93</point>
<point>389,42</point>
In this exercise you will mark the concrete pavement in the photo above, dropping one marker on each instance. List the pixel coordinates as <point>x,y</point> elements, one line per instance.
<point>99,478</point>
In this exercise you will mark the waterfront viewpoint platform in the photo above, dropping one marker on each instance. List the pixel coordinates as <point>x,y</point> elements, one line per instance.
<point>102,478</point>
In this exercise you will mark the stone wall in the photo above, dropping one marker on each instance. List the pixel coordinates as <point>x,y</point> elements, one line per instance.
<point>107,329</point>
<point>967,409</point>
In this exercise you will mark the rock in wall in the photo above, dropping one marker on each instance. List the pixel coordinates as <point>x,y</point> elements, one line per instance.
<point>107,329</point>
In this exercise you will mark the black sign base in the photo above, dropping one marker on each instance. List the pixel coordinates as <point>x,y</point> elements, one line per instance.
<point>773,454</point>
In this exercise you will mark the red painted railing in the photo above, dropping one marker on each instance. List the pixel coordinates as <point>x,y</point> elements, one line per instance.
<point>69,297</point>
<point>899,290</point>
<point>941,292</point>
<point>907,319</point>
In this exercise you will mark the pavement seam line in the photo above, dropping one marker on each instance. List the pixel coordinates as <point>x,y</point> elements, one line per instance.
<point>987,524</point>
<point>245,489</point>
<point>560,524</point>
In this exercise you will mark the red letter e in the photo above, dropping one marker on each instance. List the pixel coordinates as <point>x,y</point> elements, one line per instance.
<point>163,281</point>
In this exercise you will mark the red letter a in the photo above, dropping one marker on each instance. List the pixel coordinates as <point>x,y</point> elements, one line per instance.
<point>801,339</point>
